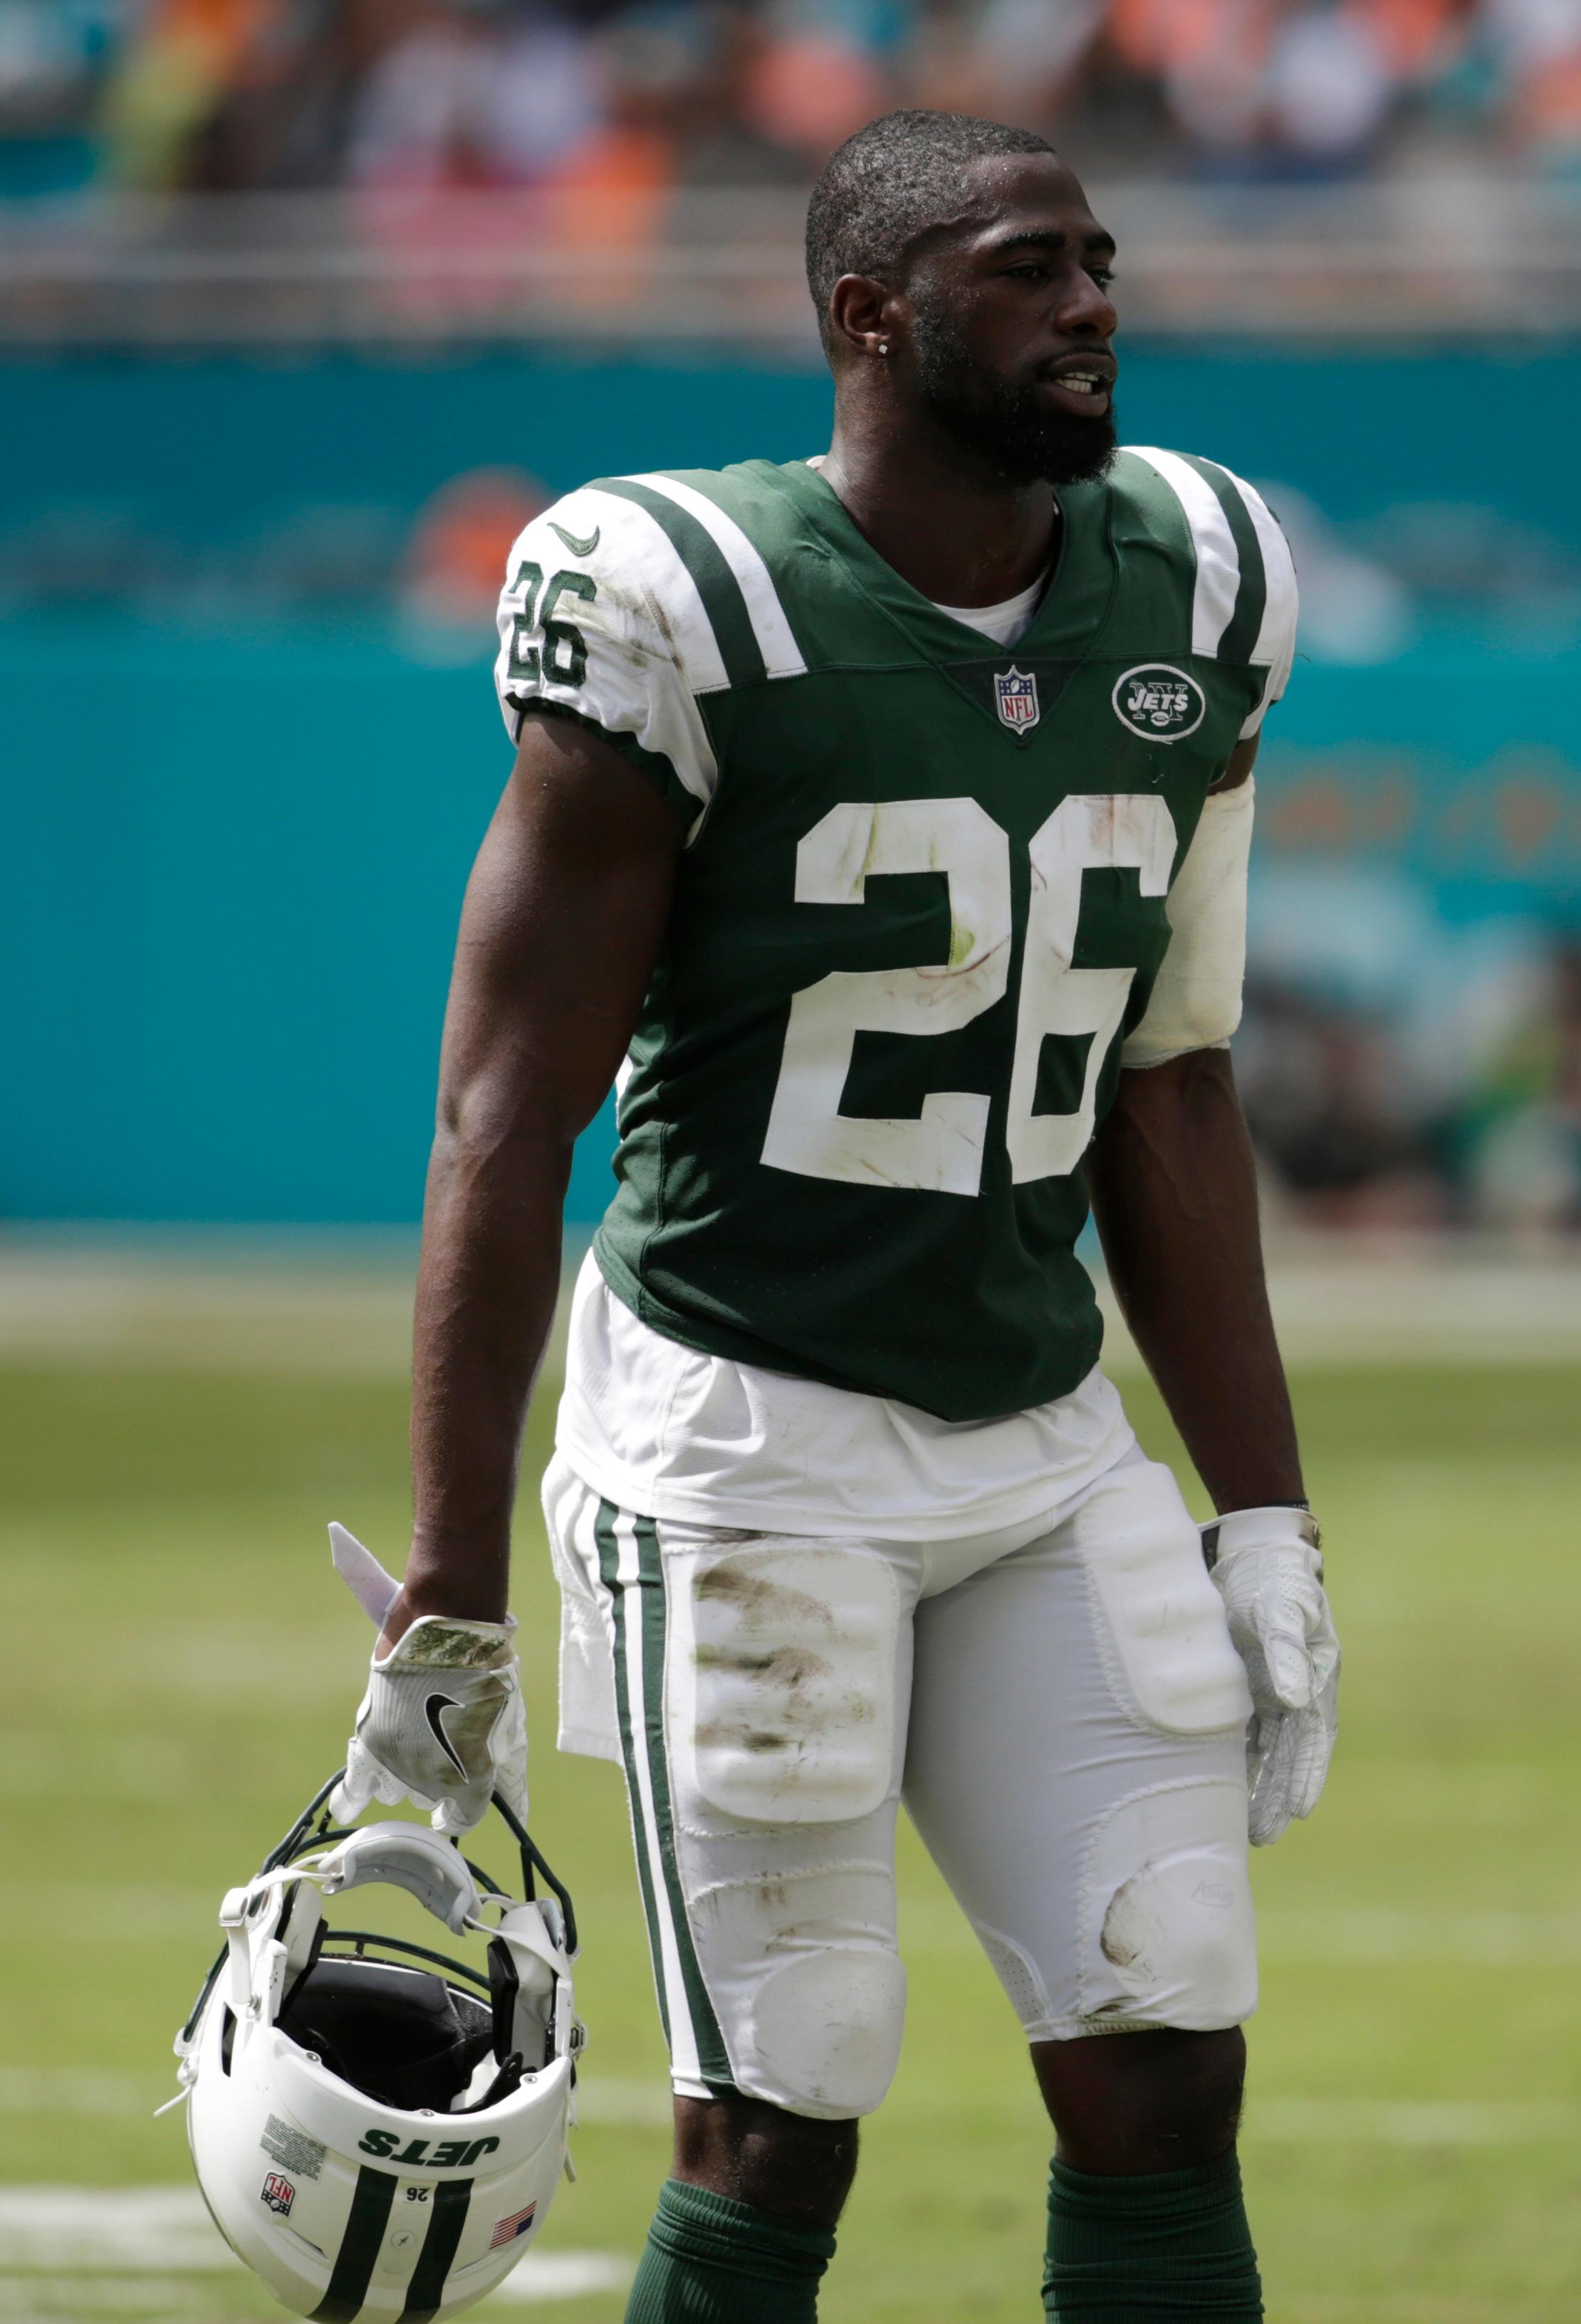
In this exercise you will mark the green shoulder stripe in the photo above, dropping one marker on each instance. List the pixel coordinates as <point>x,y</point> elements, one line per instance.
<point>1246,622</point>
<point>716,584</point>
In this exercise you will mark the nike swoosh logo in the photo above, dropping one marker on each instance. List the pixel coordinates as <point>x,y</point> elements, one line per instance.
<point>578,547</point>
<point>431,1710</point>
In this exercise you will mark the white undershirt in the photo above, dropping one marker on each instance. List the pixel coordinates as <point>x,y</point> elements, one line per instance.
<point>1004,623</point>
<point>668,1431</point>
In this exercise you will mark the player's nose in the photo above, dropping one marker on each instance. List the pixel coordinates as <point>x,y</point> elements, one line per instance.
<point>1086,309</point>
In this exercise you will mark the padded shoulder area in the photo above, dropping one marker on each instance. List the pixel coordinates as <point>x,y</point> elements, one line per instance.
<point>602,618</point>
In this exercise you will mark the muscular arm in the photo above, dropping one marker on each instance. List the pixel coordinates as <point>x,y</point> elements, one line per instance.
<point>564,916</point>
<point>1175,1196</point>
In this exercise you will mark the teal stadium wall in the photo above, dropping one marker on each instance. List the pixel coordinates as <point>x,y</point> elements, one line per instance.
<point>234,853</point>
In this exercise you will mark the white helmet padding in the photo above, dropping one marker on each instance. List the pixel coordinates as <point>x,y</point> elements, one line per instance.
<point>379,2130</point>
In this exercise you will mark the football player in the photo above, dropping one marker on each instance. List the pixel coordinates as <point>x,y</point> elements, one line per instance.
<point>883,819</point>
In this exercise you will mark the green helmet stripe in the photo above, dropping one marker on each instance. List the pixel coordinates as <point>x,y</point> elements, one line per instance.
<point>353,2272</point>
<point>425,2294</point>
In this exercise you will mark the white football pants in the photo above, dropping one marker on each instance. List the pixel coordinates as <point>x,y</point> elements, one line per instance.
<point>1061,1711</point>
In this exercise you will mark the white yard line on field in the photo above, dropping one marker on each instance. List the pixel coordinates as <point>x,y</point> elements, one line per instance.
<point>149,2232</point>
<point>160,2230</point>
<point>54,2297</point>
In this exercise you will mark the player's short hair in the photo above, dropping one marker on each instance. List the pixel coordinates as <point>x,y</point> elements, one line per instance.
<point>888,184</point>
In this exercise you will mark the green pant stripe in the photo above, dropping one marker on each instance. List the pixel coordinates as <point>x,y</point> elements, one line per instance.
<point>1251,596</point>
<point>609,1571</point>
<point>717,586</point>
<point>711,2057</point>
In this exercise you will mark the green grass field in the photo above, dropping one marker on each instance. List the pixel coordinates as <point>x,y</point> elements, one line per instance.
<point>181,1667</point>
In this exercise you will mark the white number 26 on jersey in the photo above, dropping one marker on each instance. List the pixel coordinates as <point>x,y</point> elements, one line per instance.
<point>942,1148</point>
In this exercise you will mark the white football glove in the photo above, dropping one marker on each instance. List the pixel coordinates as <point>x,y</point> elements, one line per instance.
<point>443,1723</point>
<point>1267,1568</point>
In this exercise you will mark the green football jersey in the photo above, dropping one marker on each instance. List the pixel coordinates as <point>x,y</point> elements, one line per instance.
<point>921,903</point>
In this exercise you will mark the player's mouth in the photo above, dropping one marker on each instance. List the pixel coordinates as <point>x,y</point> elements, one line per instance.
<point>1082,387</point>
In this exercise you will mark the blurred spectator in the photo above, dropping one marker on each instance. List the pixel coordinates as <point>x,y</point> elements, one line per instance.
<point>816,73</point>
<point>474,94</point>
<point>1522,1129</point>
<point>183,60</point>
<point>53,55</point>
<point>1325,1105</point>
<point>1331,87</point>
<point>456,559</point>
<point>1534,50</point>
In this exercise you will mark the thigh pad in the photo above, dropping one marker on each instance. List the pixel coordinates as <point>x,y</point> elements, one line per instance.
<point>782,1680</point>
<point>1160,1623</point>
<point>808,1983</point>
<point>1167,1936</point>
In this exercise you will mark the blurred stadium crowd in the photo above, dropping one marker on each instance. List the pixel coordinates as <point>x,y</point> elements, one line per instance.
<point>642,96</point>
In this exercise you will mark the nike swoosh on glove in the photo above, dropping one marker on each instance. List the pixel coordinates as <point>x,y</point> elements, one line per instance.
<point>442,1723</point>
<point>1267,1568</point>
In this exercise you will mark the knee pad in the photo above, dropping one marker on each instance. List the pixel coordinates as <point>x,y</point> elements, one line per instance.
<point>1167,1936</point>
<point>804,1971</point>
<point>781,1684</point>
<point>1160,1621</point>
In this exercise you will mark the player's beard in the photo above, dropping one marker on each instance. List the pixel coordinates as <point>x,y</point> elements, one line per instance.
<point>1005,421</point>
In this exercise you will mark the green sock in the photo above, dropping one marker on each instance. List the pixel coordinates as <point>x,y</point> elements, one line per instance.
<point>1148,2249</point>
<point>711,2260</point>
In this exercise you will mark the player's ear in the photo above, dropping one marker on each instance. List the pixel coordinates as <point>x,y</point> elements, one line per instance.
<point>859,313</point>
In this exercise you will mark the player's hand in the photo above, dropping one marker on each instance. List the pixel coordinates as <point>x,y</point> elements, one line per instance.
<point>1267,1567</point>
<point>442,1723</point>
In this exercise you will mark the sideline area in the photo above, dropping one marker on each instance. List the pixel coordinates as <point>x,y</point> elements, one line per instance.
<point>342,1303</point>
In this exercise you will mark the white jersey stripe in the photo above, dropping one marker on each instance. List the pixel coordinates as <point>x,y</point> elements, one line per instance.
<point>645,550</point>
<point>1219,566</point>
<point>1278,572</point>
<point>686,2065</point>
<point>776,640</point>
<point>1275,649</point>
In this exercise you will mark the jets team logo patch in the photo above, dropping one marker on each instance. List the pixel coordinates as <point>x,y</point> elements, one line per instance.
<point>1017,697</point>
<point>1160,703</point>
<point>278,2193</point>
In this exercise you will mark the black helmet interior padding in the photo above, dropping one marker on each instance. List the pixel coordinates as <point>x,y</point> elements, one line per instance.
<point>400,2035</point>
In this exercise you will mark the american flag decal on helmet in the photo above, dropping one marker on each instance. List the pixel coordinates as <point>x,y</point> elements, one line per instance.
<point>507,2230</point>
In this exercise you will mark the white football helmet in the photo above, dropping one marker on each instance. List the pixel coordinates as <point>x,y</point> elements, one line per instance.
<point>377,2129</point>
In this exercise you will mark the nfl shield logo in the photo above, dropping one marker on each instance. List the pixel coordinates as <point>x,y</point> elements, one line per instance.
<point>1017,697</point>
<point>278,2193</point>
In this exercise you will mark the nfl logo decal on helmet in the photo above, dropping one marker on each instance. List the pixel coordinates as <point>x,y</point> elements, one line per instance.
<point>1017,697</point>
<point>420,2107</point>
